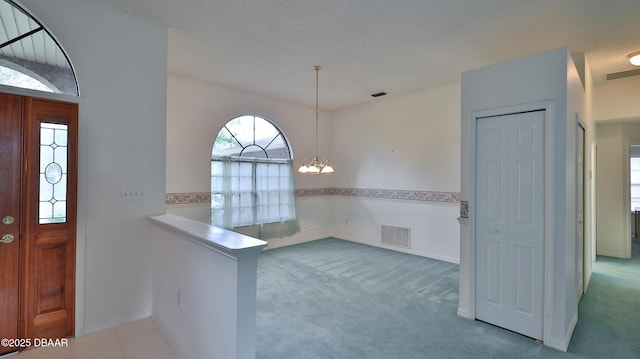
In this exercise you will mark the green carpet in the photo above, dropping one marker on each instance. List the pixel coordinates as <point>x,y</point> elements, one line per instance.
<point>609,322</point>
<point>343,300</point>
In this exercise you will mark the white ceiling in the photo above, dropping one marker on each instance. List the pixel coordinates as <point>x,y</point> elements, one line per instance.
<point>366,46</point>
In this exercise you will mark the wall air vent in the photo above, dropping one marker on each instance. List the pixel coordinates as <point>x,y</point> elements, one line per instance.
<point>396,236</point>
<point>623,74</point>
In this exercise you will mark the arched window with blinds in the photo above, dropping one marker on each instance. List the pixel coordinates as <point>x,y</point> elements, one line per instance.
<point>252,188</point>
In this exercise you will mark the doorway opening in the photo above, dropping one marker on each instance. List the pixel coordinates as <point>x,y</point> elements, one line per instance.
<point>634,198</point>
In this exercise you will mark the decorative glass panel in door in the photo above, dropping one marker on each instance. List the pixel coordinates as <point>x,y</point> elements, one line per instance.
<point>53,173</point>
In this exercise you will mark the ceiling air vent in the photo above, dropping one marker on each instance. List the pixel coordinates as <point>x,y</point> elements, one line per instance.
<point>623,74</point>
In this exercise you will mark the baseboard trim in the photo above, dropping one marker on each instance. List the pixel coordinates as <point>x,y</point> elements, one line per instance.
<point>563,344</point>
<point>278,243</point>
<point>173,342</point>
<point>397,249</point>
<point>613,254</point>
<point>463,312</point>
<point>116,322</point>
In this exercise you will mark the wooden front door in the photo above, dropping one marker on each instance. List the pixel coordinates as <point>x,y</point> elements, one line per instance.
<point>38,142</point>
<point>10,150</point>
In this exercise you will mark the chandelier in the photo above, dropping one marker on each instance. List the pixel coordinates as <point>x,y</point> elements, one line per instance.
<point>316,165</point>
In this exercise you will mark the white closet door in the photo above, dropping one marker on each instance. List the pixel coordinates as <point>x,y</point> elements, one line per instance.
<point>509,214</point>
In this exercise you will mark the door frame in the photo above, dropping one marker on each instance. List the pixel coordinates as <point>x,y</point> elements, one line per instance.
<point>626,193</point>
<point>81,200</point>
<point>580,125</point>
<point>548,107</point>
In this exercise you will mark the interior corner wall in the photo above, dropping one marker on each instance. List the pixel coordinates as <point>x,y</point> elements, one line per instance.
<point>616,112</point>
<point>406,142</point>
<point>414,137</point>
<point>121,66</point>
<point>550,77</point>
<point>196,111</point>
<point>589,176</point>
<point>610,221</point>
<point>617,100</point>
<point>613,218</point>
<point>576,115</point>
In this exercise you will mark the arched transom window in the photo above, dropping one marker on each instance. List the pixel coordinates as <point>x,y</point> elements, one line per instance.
<point>30,57</point>
<point>251,137</point>
<point>252,187</point>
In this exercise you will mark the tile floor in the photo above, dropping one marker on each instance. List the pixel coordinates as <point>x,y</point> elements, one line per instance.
<point>140,339</point>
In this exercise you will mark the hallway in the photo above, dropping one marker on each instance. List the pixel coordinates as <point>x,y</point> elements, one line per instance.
<point>609,312</point>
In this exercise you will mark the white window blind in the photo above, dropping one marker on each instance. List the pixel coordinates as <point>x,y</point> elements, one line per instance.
<point>251,191</point>
<point>635,183</point>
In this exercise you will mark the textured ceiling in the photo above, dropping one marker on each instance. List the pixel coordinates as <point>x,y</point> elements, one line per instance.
<point>366,46</point>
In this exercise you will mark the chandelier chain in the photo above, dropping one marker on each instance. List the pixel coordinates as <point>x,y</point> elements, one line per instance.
<point>316,165</point>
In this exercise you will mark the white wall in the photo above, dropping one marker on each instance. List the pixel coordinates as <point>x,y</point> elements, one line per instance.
<point>549,78</point>
<point>415,139</point>
<point>574,113</point>
<point>617,111</point>
<point>617,100</point>
<point>206,305</point>
<point>121,68</point>
<point>403,142</point>
<point>589,254</point>
<point>196,111</point>
<point>613,205</point>
<point>434,228</point>
<point>612,240</point>
<point>407,142</point>
<point>122,145</point>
